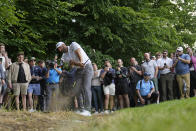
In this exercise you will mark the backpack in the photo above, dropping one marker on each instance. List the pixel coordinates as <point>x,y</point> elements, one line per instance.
<point>141,83</point>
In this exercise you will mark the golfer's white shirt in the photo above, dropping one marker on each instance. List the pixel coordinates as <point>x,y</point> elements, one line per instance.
<point>71,55</point>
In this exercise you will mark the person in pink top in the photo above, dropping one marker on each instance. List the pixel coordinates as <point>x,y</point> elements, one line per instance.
<point>192,70</point>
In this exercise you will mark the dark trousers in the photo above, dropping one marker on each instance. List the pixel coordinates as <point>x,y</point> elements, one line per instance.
<point>166,86</point>
<point>152,99</point>
<point>97,97</point>
<point>42,97</point>
<point>192,82</point>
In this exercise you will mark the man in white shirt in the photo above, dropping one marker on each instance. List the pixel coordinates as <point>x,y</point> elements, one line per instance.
<point>165,65</point>
<point>76,56</point>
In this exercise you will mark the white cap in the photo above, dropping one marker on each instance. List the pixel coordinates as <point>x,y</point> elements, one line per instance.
<point>59,44</point>
<point>179,49</point>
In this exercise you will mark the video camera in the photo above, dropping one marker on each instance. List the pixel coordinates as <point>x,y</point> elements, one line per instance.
<point>50,64</point>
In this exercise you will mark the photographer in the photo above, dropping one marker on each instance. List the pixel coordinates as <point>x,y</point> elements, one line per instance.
<point>108,74</point>
<point>122,84</point>
<point>182,72</point>
<point>53,76</point>
<point>135,74</point>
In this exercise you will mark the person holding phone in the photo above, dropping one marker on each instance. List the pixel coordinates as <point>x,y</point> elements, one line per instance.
<point>75,55</point>
<point>166,77</point>
<point>182,72</point>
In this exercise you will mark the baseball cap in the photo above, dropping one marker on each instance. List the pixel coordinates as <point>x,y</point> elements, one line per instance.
<point>179,49</point>
<point>59,44</point>
<point>32,58</point>
<point>146,74</point>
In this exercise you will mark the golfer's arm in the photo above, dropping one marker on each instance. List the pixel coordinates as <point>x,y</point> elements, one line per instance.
<point>79,55</point>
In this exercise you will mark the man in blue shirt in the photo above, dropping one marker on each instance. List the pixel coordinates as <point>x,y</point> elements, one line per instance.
<point>182,72</point>
<point>145,90</point>
<point>53,77</point>
<point>34,85</point>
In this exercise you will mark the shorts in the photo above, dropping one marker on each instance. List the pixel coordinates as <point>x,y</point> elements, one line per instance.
<point>122,89</point>
<point>109,89</point>
<point>20,88</point>
<point>34,89</point>
<point>9,91</point>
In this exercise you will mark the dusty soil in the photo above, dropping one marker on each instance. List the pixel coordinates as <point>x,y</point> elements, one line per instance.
<point>38,121</point>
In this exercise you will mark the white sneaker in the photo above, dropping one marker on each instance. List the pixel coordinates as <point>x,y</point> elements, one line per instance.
<point>157,101</point>
<point>106,112</point>
<point>31,110</point>
<point>101,112</point>
<point>96,113</point>
<point>85,113</point>
<point>77,111</point>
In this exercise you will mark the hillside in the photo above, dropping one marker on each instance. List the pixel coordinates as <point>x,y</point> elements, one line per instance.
<point>177,115</point>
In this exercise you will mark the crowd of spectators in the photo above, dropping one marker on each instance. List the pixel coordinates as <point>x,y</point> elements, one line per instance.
<point>35,86</point>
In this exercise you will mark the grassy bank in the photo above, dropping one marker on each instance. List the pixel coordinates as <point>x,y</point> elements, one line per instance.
<point>177,115</point>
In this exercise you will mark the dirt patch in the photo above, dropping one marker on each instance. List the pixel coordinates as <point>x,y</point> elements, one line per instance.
<point>38,121</point>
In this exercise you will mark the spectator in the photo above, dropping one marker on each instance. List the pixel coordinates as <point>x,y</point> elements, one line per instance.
<point>26,60</point>
<point>166,78</point>
<point>75,55</point>
<point>122,84</point>
<point>135,74</point>
<point>2,82</point>
<point>19,77</point>
<point>107,74</point>
<point>150,66</point>
<point>5,63</point>
<point>53,77</point>
<point>145,90</point>
<point>34,85</point>
<point>153,58</point>
<point>42,98</point>
<point>182,72</point>
<point>96,90</point>
<point>192,70</point>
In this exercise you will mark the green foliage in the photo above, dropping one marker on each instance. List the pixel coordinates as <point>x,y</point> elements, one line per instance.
<point>120,29</point>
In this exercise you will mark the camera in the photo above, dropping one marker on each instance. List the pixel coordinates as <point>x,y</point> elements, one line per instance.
<point>50,64</point>
<point>177,55</point>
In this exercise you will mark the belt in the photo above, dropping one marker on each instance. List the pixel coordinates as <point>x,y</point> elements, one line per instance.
<point>165,74</point>
<point>53,83</point>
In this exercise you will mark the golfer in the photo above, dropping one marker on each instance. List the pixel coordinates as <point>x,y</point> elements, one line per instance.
<point>75,55</point>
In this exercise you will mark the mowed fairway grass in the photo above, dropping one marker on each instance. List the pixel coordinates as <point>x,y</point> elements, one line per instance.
<point>176,115</point>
